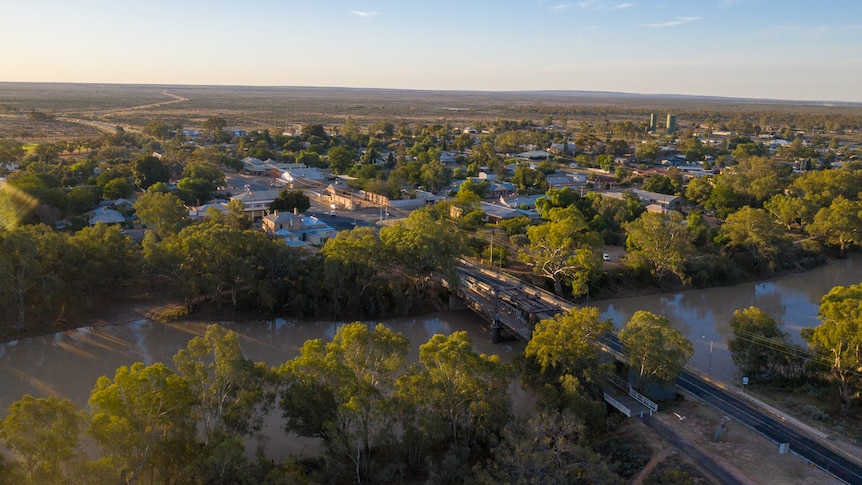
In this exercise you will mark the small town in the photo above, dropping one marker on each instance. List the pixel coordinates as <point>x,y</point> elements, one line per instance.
<point>365,257</point>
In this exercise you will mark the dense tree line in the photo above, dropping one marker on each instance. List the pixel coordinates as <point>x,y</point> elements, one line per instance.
<point>445,418</point>
<point>771,212</point>
<point>765,353</point>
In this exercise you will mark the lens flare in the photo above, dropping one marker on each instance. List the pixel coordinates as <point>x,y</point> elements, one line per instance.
<point>14,206</point>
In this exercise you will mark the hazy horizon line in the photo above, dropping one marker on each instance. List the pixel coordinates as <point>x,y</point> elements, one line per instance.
<point>427,90</point>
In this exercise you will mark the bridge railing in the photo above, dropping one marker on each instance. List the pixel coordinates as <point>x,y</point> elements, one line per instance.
<point>653,407</point>
<point>620,406</point>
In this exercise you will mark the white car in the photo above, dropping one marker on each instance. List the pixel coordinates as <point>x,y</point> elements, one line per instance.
<point>606,257</point>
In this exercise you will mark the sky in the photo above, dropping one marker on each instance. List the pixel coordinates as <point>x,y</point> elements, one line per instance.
<point>773,49</point>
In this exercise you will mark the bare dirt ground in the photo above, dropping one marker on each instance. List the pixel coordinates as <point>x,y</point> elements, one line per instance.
<point>748,457</point>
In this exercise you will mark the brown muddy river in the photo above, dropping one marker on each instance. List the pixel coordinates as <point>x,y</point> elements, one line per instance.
<point>67,364</point>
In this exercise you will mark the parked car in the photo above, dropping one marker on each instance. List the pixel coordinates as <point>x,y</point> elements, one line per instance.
<point>606,257</point>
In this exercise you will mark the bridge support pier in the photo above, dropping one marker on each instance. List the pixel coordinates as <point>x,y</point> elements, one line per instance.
<point>495,332</point>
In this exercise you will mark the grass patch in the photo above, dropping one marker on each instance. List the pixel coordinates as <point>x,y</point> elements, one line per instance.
<point>170,314</point>
<point>674,471</point>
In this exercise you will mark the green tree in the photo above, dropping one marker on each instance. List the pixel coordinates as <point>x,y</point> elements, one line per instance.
<point>548,448</point>
<point>340,391</point>
<point>647,151</point>
<point>204,170</point>
<point>213,128</point>
<point>838,339</point>
<point>791,211</point>
<point>44,433</point>
<point>287,201</point>
<point>435,176</point>
<point>310,159</point>
<point>758,178</point>
<point>142,421</point>
<point>756,232</point>
<point>31,272</point>
<point>839,224</point>
<point>655,352</point>
<point>118,188</point>
<point>464,141</point>
<point>158,129</point>
<point>357,256</point>
<point>11,151</point>
<point>555,198</point>
<point>236,217</point>
<point>821,187</point>
<point>149,170</point>
<point>82,199</point>
<point>454,396</point>
<point>661,184</point>
<point>101,259</point>
<point>232,393</point>
<point>699,190</point>
<point>563,249</point>
<point>660,243</point>
<point>760,349</point>
<point>568,343</point>
<point>163,213</point>
<point>341,159</point>
<point>423,246</point>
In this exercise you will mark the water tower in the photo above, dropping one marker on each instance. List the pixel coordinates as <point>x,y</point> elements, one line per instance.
<point>671,124</point>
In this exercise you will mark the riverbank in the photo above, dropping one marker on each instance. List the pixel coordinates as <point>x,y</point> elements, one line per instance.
<point>129,341</point>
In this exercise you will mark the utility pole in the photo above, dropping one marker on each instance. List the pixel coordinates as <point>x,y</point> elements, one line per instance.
<point>492,249</point>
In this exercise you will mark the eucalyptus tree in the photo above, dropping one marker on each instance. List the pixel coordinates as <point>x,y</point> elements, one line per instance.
<point>838,339</point>
<point>101,259</point>
<point>45,434</point>
<point>162,212</point>
<point>564,249</point>
<point>32,270</point>
<point>454,398</point>
<point>656,352</point>
<point>341,391</point>
<point>424,247</point>
<point>231,392</point>
<point>760,349</point>
<point>757,233</point>
<point>659,243</point>
<point>142,422</point>
<point>839,224</point>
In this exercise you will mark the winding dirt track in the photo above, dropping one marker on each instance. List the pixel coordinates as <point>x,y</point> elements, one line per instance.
<point>90,118</point>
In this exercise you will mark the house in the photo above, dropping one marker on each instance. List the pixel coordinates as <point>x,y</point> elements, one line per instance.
<point>256,203</point>
<point>447,157</point>
<point>253,166</point>
<point>671,202</point>
<point>281,221</point>
<point>559,181</point>
<point>297,229</point>
<point>302,176</point>
<point>535,155</point>
<point>520,201</point>
<point>500,189</point>
<point>561,148</point>
<point>104,215</point>
<point>496,212</point>
<point>200,211</point>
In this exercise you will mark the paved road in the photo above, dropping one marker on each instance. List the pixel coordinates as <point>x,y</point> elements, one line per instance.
<point>773,428</point>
